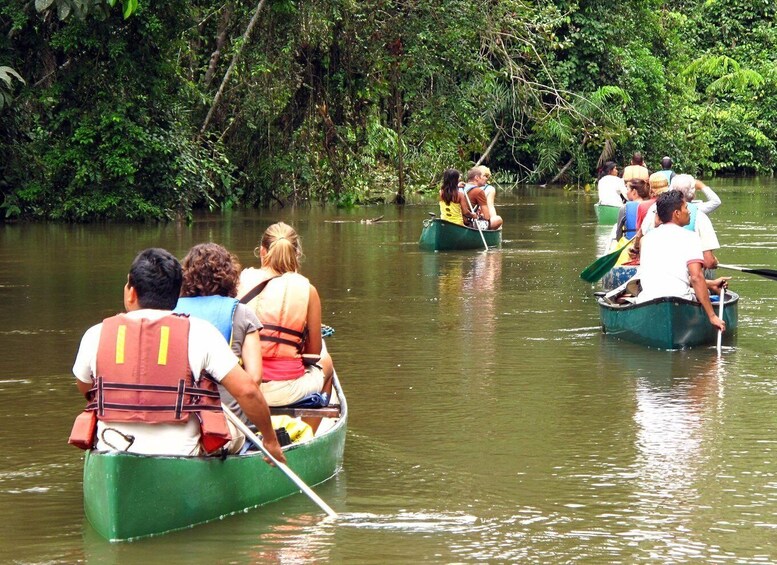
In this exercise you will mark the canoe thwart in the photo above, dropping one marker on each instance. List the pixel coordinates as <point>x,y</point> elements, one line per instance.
<point>332,411</point>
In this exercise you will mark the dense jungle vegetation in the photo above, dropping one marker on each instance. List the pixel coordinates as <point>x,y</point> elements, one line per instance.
<point>136,109</point>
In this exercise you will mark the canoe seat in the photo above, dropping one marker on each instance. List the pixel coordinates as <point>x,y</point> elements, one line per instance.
<point>331,411</point>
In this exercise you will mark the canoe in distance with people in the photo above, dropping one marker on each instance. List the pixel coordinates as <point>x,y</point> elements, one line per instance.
<point>666,323</point>
<point>442,235</point>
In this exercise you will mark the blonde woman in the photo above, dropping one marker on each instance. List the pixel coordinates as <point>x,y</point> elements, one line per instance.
<point>295,363</point>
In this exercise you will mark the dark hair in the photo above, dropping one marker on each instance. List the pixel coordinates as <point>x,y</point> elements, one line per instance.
<point>450,185</point>
<point>666,163</point>
<point>156,276</point>
<point>642,188</point>
<point>667,203</point>
<point>637,159</point>
<point>208,270</point>
<point>607,168</point>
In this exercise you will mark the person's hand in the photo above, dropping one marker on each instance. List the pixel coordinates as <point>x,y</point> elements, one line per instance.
<point>634,252</point>
<point>699,185</point>
<point>718,323</point>
<point>272,445</point>
<point>717,284</point>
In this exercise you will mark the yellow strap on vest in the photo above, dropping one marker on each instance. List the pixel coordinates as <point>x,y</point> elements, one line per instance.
<point>121,337</point>
<point>164,341</point>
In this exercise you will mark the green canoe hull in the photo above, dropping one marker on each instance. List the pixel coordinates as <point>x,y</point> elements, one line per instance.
<point>441,235</point>
<point>666,323</point>
<point>130,496</point>
<point>606,214</point>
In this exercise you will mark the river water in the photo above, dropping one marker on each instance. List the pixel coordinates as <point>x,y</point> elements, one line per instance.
<point>490,419</point>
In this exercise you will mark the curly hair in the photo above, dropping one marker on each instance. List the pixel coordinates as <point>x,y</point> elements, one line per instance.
<point>209,269</point>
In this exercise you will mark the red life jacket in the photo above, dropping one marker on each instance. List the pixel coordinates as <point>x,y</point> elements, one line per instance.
<point>143,375</point>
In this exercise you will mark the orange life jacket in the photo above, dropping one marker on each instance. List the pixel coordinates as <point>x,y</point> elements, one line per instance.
<point>143,375</point>
<point>282,307</point>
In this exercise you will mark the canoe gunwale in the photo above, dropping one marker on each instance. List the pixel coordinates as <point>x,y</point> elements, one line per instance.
<point>731,298</point>
<point>441,235</point>
<point>131,496</point>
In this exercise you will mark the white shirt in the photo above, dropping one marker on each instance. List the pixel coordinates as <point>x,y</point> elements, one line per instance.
<point>666,252</point>
<point>702,227</point>
<point>208,351</point>
<point>610,189</point>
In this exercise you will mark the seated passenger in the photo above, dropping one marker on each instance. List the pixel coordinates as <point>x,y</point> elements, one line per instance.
<point>671,259</point>
<point>295,363</point>
<point>490,191</point>
<point>666,169</point>
<point>210,277</point>
<point>626,226</point>
<point>610,187</point>
<point>123,362</point>
<point>637,169</point>
<point>699,221</point>
<point>477,201</point>
<point>453,204</point>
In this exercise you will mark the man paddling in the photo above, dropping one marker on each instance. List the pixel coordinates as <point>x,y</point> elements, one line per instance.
<point>149,374</point>
<point>671,259</point>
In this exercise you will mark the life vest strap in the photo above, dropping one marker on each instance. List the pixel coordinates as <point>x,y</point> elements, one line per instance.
<point>186,408</point>
<point>193,390</point>
<point>281,329</point>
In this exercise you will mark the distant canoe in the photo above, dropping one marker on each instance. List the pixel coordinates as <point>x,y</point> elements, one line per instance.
<point>666,323</point>
<point>606,214</point>
<point>441,235</point>
<point>128,496</point>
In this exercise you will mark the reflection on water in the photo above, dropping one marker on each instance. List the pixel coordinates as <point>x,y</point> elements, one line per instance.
<point>490,420</point>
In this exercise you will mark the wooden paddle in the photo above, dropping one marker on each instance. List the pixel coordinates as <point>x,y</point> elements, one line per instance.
<point>768,273</point>
<point>286,471</point>
<point>477,222</point>
<point>602,265</point>
<point>720,315</point>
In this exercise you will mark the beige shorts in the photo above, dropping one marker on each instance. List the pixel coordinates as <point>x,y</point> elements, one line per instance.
<point>283,393</point>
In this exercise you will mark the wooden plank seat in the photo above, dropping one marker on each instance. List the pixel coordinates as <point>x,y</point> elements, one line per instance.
<point>331,411</point>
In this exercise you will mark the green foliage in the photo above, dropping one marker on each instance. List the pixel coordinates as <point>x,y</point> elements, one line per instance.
<point>344,102</point>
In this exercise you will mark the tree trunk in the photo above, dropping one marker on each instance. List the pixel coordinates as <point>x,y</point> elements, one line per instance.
<point>398,117</point>
<point>491,145</point>
<point>235,58</point>
<point>221,39</point>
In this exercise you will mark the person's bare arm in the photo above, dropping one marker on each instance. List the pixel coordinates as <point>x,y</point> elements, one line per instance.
<point>251,354</point>
<point>243,389</point>
<point>710,261</point>
<point>83,387</point>
<point>699,286</point>
<point>313,343</point>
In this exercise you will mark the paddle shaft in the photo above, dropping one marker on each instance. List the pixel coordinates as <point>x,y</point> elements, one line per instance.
<point>720,315</point>
<point>477,223</point>
<point>768,273</point>
<point>283,467</point>
<point>603,264</point>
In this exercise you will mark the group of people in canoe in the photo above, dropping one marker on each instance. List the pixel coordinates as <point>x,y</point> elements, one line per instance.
<point>198,334</point>
<point>666,232</point>
<point>469,203</point>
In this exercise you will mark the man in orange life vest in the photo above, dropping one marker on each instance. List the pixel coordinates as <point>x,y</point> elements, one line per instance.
<point>149,376</point>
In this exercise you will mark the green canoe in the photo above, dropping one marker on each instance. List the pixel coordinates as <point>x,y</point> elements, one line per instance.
<point>441,235</point>
<point>129,496</point>
<point>666,323</point>
<point>606,214</point>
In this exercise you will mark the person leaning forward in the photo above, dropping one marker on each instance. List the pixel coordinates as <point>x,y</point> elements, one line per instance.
<point>149,376</point>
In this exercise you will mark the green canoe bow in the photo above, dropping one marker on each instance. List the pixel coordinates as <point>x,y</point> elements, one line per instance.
<point>441,235</point>
<point>606,214</point>
<point>129,496</point>
<point>666,323</point>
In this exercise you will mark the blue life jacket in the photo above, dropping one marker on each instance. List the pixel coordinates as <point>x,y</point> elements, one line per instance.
<point>693,209</point>
<point>630,225</point>
<point>668,173</point>
<point>218,310</point>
